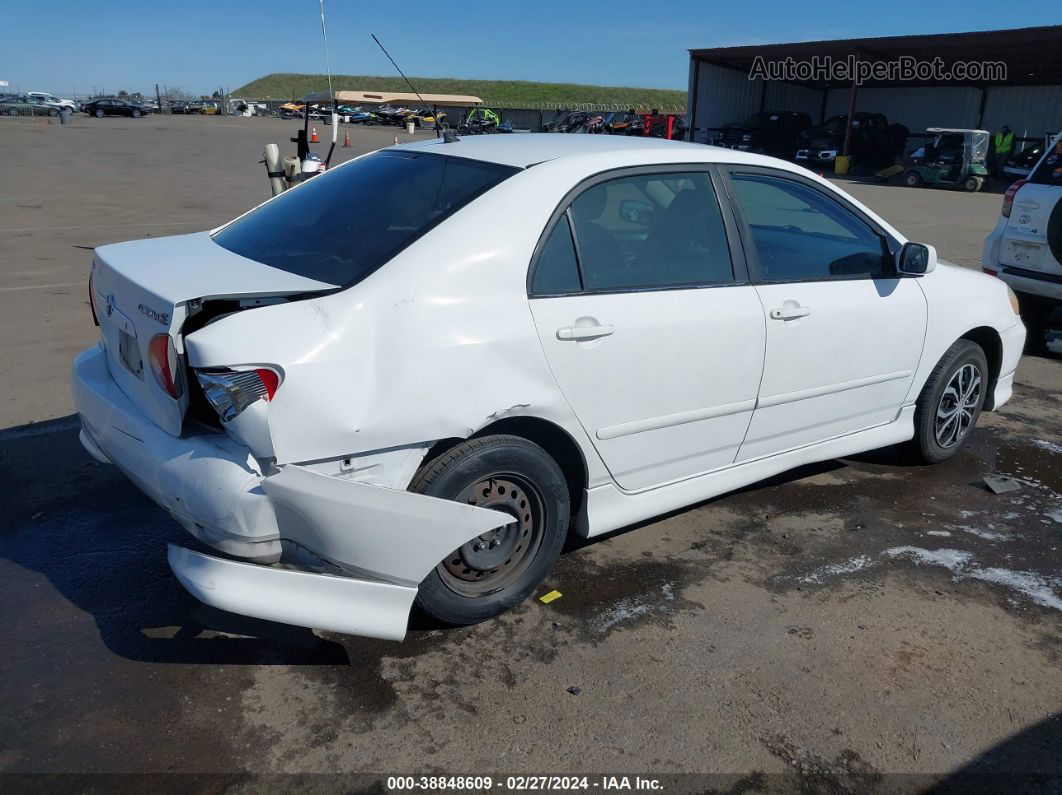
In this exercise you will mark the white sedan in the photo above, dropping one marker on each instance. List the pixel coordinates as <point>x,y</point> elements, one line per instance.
<point>404,382</point>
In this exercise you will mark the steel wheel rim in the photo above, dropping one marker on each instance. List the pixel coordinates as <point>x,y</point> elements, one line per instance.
<point>495,559</point>
<point>957,406</point>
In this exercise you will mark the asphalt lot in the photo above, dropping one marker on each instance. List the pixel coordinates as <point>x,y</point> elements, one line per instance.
<point>822,631</point>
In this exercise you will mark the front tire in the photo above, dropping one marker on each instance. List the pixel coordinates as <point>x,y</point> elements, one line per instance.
<point>100,114</point>
<point>912,179</point>
<point>499,569</point>
<point>950,403</point>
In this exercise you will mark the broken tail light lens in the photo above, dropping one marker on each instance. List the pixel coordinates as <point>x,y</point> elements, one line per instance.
<point>232,391</point>
<point>162,359</point>
<point>1008,197</point>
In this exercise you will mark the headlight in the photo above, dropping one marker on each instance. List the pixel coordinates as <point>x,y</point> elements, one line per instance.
<point>1014,301</point>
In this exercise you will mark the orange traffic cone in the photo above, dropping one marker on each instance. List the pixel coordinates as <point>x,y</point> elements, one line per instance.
<point>346,139</point>
<point>313,136</point>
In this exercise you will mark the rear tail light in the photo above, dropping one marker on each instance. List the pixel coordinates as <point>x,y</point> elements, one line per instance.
<point>92,298</point>
<point>163,361</point>
<point>1008,197</point>
<point>231,391</point>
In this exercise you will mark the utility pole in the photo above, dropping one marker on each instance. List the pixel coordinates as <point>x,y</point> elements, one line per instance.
<point>158,97</point>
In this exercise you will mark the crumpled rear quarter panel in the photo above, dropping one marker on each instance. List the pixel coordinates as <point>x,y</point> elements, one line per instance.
<point>435,344</point>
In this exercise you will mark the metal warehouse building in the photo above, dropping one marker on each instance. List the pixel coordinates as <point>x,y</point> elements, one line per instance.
<point>1029,99</point>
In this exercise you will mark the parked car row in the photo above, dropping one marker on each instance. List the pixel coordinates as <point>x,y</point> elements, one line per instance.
<point>28,105</point>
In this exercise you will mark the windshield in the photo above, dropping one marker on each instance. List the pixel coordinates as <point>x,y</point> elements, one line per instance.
<point>343,225</point>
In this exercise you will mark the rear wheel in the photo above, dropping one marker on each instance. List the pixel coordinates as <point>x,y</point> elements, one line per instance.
<point>972,184</point>
<point>950,403</point>
<point>136,114</point>
<point>99,113</point>
<point>912,179</point>
<point>499,569</point>
<point>53,112</point>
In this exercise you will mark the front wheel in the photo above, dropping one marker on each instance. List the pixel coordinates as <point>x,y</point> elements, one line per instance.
<point>136,114</point>
<point>972,184</point>
<point>499,569</point>
<point>950,403</point>
<point>99,113</point>
<point>912,179</point>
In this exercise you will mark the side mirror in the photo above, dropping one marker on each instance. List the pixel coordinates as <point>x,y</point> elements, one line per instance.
<point>916,259</point>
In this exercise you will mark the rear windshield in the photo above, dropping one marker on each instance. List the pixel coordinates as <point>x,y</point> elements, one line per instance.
<point>1049,171</point>
<point>343,225</point>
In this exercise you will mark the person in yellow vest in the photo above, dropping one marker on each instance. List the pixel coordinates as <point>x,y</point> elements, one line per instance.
<point>1002,149</point>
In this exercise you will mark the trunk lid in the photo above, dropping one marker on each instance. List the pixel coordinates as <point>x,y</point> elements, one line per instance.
<point>144,288</point>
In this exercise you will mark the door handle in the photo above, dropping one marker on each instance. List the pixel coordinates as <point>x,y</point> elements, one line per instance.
<point>789,312</point>
<point>584,332</point>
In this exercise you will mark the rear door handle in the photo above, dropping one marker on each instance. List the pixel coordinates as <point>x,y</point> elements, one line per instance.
<point>584,332</point>
<point>789,312</point>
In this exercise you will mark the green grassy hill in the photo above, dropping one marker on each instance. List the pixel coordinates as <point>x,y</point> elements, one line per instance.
<point>497,93</point>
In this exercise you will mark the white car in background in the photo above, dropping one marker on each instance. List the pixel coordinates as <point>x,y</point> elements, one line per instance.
<point>1025,248</point>
<point>53,100</point>
<point>407,380</point>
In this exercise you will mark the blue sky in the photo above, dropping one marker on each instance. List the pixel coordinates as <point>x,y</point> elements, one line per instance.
<point>74,45</point>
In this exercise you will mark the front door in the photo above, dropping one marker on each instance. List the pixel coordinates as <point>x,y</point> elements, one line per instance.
<point>844,331</point>
<point>653,335</point>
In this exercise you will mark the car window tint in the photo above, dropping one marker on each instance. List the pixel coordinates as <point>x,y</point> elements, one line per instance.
<point>341,226</point>
<point>802,235</point>
<point>651,231</point>
<point>1049,170</point>
<point>557,271</point>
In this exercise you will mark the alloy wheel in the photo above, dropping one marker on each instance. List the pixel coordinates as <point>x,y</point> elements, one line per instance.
<point>958,404</point>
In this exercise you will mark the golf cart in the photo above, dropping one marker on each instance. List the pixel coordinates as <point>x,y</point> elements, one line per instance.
<point>951,158</point>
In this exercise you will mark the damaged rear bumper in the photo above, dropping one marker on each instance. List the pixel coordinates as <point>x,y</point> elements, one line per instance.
<point>326,552</point>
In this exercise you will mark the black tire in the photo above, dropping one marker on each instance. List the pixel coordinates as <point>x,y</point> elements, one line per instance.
<point>926,446</point>
<point>1054,232</point>
<point>99,113</point>
<point>912,179</point>
<point>136,114</point>
<point>972,184</point>
<point>513,475</point>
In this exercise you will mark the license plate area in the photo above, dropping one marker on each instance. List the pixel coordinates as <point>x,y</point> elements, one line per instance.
<point>129,353</point>
<point>1022,254</point>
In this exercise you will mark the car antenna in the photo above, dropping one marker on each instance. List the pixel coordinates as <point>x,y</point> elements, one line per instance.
<point>411,88</point>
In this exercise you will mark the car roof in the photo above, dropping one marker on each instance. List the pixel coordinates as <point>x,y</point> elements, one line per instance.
<point>523,150</point>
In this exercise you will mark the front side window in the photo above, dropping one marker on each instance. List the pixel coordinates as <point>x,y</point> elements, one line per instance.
<point>802,235</point>
<point>651,231</point>
<point>341,226</point>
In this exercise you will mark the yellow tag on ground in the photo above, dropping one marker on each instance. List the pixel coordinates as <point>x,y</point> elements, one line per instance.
<point>550,597</point>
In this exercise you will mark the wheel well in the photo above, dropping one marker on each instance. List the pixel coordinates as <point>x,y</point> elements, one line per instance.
<point>989,341</point>
<point>550,437</point>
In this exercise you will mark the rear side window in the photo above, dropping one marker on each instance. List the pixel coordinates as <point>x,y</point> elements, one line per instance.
<point>343,225</point>
<point>557,271</point>
<point>651,231</point>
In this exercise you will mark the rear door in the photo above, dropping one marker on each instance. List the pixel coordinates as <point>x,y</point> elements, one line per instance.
<point>649,323</point>
<point>844,331</point>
